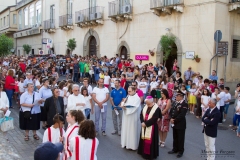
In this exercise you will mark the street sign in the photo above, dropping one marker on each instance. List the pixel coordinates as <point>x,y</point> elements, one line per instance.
<point>218,36</point>
<point>222,48</point>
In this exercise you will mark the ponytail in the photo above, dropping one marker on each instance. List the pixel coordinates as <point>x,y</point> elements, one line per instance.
<point>78,114</point>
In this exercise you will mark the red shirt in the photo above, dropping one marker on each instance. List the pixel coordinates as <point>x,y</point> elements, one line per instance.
<point>123,81</point>
<point>23,67</point>
<point>120,65</point>
<point>8,81</point>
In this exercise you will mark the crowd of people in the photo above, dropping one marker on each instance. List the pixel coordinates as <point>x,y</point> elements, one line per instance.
<point>146,100</point>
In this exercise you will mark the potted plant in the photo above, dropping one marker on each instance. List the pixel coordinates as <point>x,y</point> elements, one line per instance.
<point>151,52</point>
<point>27,48</point>
<point>71,45</point>
<point>196,58</point>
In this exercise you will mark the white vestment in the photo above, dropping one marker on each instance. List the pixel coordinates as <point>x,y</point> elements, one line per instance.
<point>131,123</point>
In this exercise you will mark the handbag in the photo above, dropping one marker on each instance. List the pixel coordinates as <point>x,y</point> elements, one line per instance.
<point>6,124</point>
<point>27,114</point>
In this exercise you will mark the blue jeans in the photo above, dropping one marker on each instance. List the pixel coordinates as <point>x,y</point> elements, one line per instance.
<point>226,108</point>
<point>236,118</point>
<point>75,77</point>
<point>9,93</point>
<point>87,113</point>
<point>238,131</point>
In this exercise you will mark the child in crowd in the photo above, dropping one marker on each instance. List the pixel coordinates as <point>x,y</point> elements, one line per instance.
<point>153,86</point>
<point>214,95</point>
<point>143,86</point>
<point>112,81</point>
<point>189,84</point>
<point>20,88</point>
<point>227,99</point>
<point>67,71</point>
<point>89,103</point>
<point>221,83</point>
<point>192,98</point>
<point>170,87</point>
<point>183,89</point>
<point>204,101</point>
<point>123,81</point>
<point>55,133</point>
<point>175,90</point>
<point>101,74</point>
<point>213,85</point>
<point>16,90</point>
<point>107,79</point>
<point>236,116</point>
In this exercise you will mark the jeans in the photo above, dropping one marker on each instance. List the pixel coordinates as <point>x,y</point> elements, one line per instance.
<point>9,93</point>
<point>87,113</point>
<point>117,124</point>
<point>238,131</point>
<point>75,77</point>
<point>236,118</point>
<point>97,117</point>
<point>226,108</point>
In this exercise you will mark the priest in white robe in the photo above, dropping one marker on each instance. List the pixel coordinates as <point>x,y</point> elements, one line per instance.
<point>131,120</point>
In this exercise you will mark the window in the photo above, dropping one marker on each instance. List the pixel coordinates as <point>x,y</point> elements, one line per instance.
<point>69,7</point>
<point>1,23</point>
<point>25,17</point>
<point>14,19</point>
<point>4,21</point>
<point>31,15</point>
<point>20,19</point>
<point>92,6</point>
<point>236,48</point>
<point>52,13</point>
<point>7,20</point>
<point>38,12</point>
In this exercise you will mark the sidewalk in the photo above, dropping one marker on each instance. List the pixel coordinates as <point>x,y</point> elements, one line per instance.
<point>17,148</point>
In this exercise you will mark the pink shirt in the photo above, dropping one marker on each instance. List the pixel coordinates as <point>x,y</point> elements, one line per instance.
<point>140,93</point>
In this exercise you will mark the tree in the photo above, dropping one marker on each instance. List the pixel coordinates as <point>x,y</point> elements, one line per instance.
<point>27,48</point>
<point>166,43</point>
<point>71,45</point>
<point>6,44</point>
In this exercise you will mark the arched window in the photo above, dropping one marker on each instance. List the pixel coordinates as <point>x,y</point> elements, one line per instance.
<point>25,17</point>
<point>20,19</point>
<point>38,12</point>
<point>31,15</point>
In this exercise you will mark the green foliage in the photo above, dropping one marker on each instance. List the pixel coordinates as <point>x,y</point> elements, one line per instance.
<point>166,43</point>
<point>6,44</point>
<point>27,48</point>
<point>195,57</point>
<point>71,44</point>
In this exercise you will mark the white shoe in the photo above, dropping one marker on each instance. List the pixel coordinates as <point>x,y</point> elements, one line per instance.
<point>103,133</point>
<point>163,144</point>
<point>224,120</point>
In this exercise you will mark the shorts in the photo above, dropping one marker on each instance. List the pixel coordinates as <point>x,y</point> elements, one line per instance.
<point>153,93</point>
<point>226,106</point>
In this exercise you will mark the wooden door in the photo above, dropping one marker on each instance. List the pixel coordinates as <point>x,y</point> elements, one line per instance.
<point>124,52</point>
<point>92,46</point>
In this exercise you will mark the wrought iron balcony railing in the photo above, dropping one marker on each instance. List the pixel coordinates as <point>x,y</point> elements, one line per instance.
<point>89,14</point>
<point>49,24</point>
<point>116,8</point>
<point>66,20</point>
<point>164,3</point>
<point>23,3</point>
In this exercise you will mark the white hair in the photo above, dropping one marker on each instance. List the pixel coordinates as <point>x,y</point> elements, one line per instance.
<point>213,100</point>
<point>75,86</point>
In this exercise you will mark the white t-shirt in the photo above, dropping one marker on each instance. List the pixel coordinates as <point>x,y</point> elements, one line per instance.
<point>112,82</point>
<point>144,90</point>
<point>237,107</point>
<point>218,103</point>
<point>227,97</point>
<point>222,98</point>
<point>164,86</point>
<point>140,66</point>
<point>20,86</point>
<point>100,94</point>
<point>107,79</point>
<point>88,103</point>
<point>205,100</point>
<point>192,91</point>
<point>154,85</point>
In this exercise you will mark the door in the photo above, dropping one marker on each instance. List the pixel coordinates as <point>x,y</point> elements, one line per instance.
<point>92,46</point>
<point>123,53</point>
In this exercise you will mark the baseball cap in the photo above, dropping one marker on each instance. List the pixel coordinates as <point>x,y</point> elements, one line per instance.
<point>48,151</point>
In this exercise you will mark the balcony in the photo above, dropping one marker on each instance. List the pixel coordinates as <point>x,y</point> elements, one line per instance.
<point>234,5</point>
<point>118,11</point>
<point>23,3</point>
<point>166,6</point>
<point>49,26</point>
<point>89,17</point>
<point>66,22</point>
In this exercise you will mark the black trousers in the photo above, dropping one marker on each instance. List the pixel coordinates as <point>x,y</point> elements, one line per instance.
<point>178,140</point>
<point>221,112</point>
<point>199,109</point>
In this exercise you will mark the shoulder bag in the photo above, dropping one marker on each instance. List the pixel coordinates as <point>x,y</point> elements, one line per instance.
<point>6,124</point>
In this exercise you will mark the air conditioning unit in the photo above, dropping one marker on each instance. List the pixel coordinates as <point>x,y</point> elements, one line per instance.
<point>80,18</point>
<point>94,16</point>
<point>127,9</point>
<point>70,21</point>
<point>52,25</point>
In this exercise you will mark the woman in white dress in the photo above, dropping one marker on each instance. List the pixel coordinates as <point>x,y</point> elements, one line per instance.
<point>4,102</point>
<point>74,118</point>
<point>131,120</point>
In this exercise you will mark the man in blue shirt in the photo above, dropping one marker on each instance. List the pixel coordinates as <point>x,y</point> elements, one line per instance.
<point>117,96</point>
<point>213,76</point>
